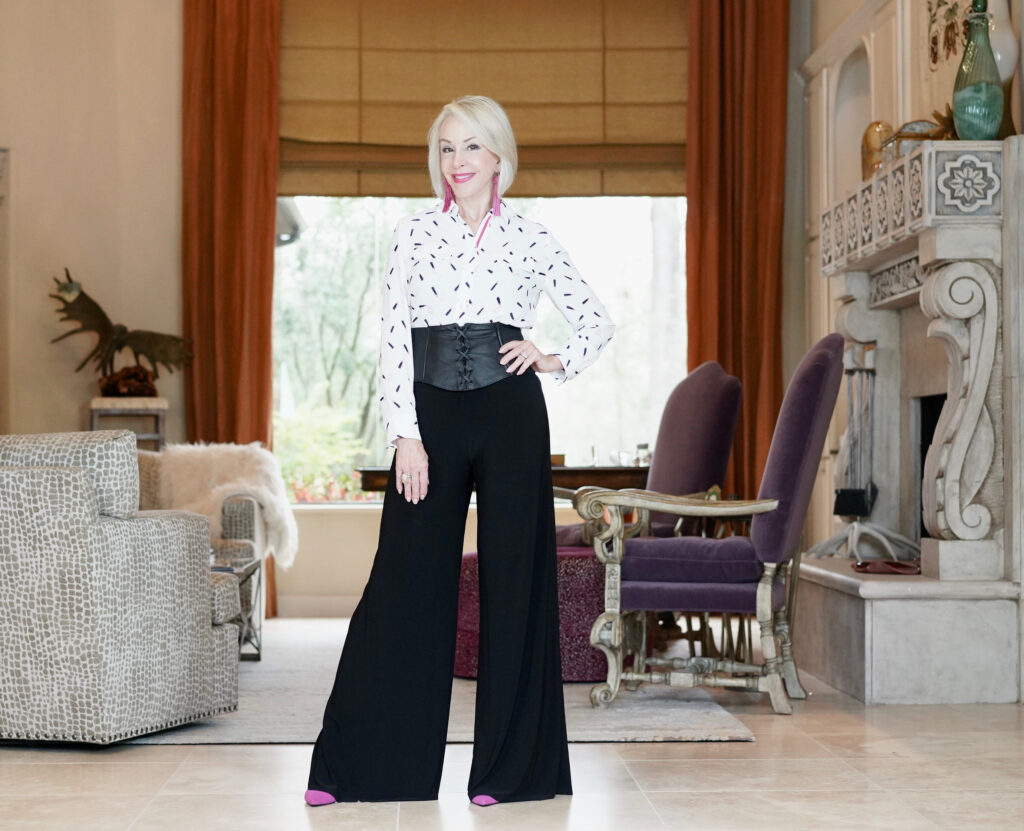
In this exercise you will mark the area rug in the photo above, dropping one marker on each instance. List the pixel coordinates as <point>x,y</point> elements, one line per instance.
<point>281,700</point>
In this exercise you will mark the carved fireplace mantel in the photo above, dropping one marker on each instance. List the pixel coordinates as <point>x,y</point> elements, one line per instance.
<point>927,229</point>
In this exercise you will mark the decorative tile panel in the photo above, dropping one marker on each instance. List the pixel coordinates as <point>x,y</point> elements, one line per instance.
<point>880,208</point>
<point>897,200</point>
<point>865,205</point>
<point>968,183</point>
<point>838,247</point>
<point>894,281</point>
<point>915,190</point>
<point>852,225</point>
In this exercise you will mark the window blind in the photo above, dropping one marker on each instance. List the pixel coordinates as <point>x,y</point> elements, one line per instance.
<point>595,91</point>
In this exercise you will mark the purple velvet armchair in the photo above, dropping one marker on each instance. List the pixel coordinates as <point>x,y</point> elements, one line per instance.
<point>691,451</point>
<point>735,575</point>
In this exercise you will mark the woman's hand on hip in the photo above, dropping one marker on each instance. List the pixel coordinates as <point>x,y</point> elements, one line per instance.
<point>520,355</point>
<point>411,470</point>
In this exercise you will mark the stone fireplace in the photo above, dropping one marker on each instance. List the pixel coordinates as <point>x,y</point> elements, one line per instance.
<point>927,261</point>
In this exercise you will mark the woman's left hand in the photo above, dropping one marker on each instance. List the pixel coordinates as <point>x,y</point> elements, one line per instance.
<point>520,355</point>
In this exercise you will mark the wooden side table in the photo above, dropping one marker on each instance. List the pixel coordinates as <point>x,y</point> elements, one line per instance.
<point>103,407</point>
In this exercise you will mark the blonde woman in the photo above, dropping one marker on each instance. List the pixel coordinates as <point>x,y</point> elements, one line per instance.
<point>463,407</point>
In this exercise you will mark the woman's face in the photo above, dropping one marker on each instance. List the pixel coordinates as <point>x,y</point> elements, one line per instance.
<point>466,164</point>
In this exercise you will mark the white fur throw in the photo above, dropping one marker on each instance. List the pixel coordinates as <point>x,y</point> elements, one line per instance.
<point>198,477</point>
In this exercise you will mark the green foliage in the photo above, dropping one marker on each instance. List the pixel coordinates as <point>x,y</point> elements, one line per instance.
<point>317,448</point>
<point>326,312</point>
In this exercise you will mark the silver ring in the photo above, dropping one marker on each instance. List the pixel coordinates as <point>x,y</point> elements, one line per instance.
<point>406,477</point>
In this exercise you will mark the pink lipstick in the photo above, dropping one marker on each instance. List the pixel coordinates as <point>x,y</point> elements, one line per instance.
<point>462,178</point>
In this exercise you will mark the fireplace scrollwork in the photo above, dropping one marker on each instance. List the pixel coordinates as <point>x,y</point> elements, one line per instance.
<point>962,298</point>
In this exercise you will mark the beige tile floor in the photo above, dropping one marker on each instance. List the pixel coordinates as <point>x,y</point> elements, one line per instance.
<point>833,764</point>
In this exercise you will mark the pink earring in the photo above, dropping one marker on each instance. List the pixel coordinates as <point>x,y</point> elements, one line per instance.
<point>448,196</point>
<point>496,200</point>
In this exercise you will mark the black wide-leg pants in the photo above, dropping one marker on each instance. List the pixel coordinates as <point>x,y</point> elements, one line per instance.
<point>386,721</point>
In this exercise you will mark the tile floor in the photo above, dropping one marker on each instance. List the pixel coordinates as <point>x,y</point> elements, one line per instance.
<point>833,764</point>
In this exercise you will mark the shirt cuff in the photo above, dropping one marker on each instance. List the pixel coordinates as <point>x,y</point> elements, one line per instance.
<point>405,433</point>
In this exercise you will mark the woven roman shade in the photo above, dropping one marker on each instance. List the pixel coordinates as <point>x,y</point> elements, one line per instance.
<point>596,92</point>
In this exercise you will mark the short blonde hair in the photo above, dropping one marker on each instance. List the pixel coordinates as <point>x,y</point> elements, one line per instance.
<point>485,117</point>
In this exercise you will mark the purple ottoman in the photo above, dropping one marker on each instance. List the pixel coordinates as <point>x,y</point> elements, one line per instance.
<point>580,601</point>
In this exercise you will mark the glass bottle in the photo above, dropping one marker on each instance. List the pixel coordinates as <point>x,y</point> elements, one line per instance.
<point>977,91</point>
<point>1005,50</point>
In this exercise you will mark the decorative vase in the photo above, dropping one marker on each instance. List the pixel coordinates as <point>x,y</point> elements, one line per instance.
<point>1005,49</point>
<point>978,91</point>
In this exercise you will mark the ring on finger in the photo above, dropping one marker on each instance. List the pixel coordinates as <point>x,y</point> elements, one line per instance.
<point>406,477</point>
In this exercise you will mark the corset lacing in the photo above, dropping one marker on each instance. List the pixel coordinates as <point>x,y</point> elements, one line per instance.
<point>465,360</point>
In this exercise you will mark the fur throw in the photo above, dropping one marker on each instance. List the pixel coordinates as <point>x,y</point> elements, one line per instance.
<point>198,477</point>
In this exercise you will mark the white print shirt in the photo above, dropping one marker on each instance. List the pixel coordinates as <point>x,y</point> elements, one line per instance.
<point>439,272</point>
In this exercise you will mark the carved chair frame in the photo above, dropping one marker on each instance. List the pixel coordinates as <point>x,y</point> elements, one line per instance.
<point>622,634</point>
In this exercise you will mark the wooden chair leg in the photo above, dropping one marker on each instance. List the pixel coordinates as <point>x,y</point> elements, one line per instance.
<point>772,679</point>
<point>607,635</point>
<point>789,672</point>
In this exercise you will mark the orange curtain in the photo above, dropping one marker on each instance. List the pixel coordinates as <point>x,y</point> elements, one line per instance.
<point>229,192</point>
<point>735,152</point>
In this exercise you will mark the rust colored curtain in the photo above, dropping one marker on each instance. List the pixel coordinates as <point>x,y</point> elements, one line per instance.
<point>229,190</point>
<point>735,152</point>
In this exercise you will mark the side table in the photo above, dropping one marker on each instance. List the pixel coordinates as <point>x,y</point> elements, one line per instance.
<point>107,407</point>
<point>250,624</point>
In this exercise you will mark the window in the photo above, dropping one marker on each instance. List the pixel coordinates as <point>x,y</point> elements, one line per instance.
<point>326,330</point>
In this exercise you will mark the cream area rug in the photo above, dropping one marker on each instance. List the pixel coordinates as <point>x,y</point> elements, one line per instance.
<point>281,700</point>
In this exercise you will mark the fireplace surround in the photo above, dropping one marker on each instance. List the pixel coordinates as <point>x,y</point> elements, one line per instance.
<point>927,261</point>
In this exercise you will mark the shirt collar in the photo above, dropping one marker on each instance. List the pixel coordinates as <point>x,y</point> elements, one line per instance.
<point>453,210</point>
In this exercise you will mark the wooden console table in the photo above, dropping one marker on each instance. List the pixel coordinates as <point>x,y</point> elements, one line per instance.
<point>614,478</point>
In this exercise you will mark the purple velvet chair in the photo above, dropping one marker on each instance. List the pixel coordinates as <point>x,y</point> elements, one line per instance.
<point>735,575</point>
<point>691,451</point>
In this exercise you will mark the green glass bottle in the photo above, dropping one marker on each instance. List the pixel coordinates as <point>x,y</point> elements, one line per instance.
<point>977,93</point>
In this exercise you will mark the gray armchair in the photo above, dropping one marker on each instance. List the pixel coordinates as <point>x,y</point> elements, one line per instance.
<point>113,625</point>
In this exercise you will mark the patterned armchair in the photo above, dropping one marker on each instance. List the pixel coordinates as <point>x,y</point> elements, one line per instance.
<point>113,625</point>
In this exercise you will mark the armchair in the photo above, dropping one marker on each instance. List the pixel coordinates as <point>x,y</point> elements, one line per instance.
<point>113,626</point>
<point>691,451</point>
<point>737,574</point>
<point>240,490</point>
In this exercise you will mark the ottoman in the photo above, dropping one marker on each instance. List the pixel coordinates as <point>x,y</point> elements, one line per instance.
<point>580,601</point>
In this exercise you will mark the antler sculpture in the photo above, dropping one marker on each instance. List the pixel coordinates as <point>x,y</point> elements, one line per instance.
<point>168,350</point>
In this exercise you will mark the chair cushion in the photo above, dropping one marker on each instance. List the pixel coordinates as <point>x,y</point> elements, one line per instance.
<point>737,598</point>
<point>692,560</point>
<point>224,597</point>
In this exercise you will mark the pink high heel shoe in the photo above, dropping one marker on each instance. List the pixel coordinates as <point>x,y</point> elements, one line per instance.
<point>315,798</point>
<point>484,800</point>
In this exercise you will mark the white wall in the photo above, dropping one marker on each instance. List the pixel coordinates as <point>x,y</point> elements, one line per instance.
<point>90,110</point>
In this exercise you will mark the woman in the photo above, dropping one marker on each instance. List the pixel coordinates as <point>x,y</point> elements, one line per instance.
<point>463,406</point>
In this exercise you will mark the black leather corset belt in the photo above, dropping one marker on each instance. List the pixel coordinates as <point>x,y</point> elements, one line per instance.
<point>459,358</point>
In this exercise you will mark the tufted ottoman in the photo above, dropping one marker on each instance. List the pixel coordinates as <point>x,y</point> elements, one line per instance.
<point>580,601</point>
